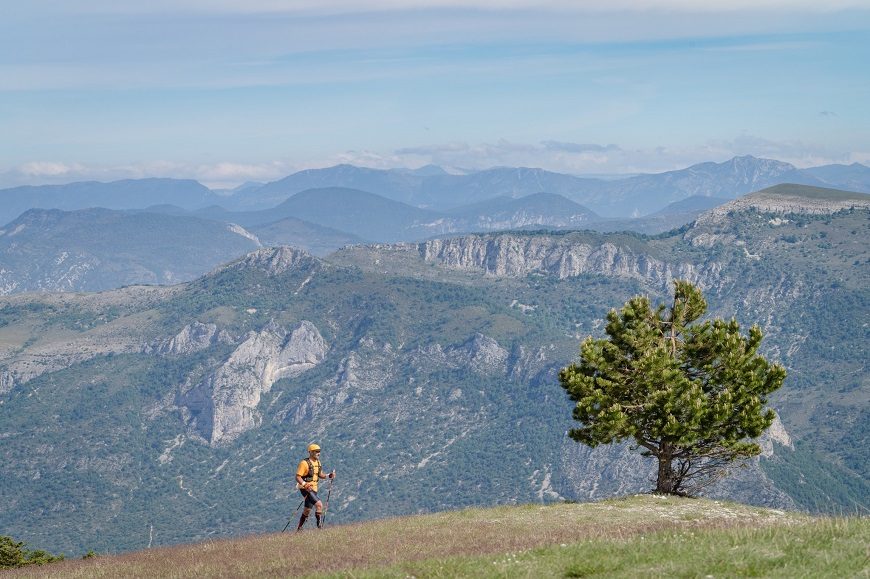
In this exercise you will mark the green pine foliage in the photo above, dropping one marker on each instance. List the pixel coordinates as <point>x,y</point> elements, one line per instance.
<point>16,554</point>
<point>689,393</point>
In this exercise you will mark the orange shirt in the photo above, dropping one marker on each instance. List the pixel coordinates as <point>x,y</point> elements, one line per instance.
<point>302,470</point>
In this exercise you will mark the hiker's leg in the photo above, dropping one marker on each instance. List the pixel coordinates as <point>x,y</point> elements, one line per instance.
<point>311,499</point>
<point>305,512</point>
<point>318,513</point>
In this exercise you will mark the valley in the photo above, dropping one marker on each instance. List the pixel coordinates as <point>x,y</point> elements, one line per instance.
<point>156,415</point>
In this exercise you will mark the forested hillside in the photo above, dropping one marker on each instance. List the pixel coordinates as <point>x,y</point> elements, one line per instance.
<point>148,416</point>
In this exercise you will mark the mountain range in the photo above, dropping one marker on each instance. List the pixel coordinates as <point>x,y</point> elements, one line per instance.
<point>98,249</point>
<point>126,194</point>
<point>433,188</point>
<point>629,197</point>
<point>426,370</point>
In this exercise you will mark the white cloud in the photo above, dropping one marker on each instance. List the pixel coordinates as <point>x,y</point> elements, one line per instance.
<point>590,158</point>
<point>48,169</point>
<point>458,157</point>
<point>216,175</point>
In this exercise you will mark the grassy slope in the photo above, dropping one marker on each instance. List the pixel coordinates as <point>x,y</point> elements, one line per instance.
<point>636,536</point>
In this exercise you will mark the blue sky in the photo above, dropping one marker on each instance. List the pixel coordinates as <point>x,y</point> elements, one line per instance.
<point>226,92</point>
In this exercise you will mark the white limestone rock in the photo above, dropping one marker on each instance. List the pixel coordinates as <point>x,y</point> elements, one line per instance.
<point>192,338</point>
<point>224,404</point>
<point>562,256</point>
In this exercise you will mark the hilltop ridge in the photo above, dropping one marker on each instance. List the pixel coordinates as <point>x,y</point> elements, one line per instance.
<point>791,198</point>
<point>619,536</point>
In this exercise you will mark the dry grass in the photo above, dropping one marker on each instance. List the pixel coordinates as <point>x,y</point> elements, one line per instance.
<point>452,534</point>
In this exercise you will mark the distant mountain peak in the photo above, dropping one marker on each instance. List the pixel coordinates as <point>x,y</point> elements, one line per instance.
<point>423,171</point>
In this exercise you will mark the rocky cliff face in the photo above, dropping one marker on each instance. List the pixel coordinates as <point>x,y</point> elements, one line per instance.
<point>274,261</point>
<point>192,338</point>
<point>224,403</point>
<point>508,255</point>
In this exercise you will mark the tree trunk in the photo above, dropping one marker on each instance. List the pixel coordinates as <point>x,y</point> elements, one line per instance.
<point>665,482</point>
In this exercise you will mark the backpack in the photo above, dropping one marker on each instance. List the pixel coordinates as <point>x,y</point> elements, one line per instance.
<point>310,476</point>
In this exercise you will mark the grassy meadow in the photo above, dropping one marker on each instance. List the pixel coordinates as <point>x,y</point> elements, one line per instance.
<point>644,535</point>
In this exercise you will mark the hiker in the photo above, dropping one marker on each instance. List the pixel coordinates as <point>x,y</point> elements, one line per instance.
<point>308,473</point>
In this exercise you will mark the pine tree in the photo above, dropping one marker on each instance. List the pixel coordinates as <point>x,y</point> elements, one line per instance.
<point>16,554</point>
<point>692,394</point>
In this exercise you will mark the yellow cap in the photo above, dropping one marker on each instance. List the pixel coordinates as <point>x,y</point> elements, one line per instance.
<point>312,447</point>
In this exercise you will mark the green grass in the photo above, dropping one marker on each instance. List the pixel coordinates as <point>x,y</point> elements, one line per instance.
<point>820,548</point>
<point>642,536</point>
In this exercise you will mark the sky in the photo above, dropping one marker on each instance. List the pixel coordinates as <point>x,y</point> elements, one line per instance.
<point>226,91</point>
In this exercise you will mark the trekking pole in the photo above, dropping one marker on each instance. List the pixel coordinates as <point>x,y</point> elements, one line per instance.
<point>293,516</point>
<point>326,506</point>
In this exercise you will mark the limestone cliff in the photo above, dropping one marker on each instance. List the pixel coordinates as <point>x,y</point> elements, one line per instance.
<point>224,403</point>
<point>561,256</point>
<point>273,261</point>
<point>192,338</point>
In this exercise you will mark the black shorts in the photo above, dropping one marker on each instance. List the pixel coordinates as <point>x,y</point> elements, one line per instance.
<point>311,498</point>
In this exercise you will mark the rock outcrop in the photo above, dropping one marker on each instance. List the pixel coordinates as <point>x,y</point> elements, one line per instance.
<point>479,353</point>
<point>7,381</point>
<point>784,203</point>
<point>224,403</point>
<point>192,338</point>
<point>562,256</point>
<point>273,261</point>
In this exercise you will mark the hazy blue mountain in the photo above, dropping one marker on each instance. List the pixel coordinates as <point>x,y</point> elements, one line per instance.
<point>450,191</point>
<point>363,214</point>
<point>431,187</point>
<point>386,220</point>
<point>854,177</point>
<point>155,415</point>
<point>695,204</point>
<point>165,209</point>
<point>315,239</point>
<point>673,216</point>
<point>97,249</point>
<point>645,194</point>
<point>358,213</point>
<point>399,186</point>
<point>274,227</point>
<point>424,171</point>
<point>127,194</point>
<point>627,197</point>
<point>537,210</point>
<point>247,185</point>
<point>428,187</point>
